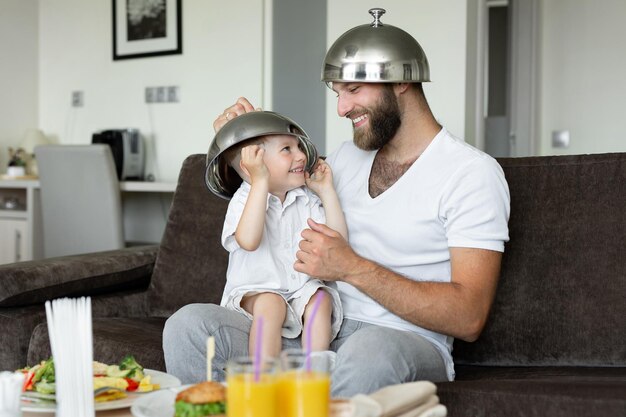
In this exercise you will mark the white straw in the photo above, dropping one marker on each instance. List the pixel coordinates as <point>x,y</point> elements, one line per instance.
<point>70,331</point>
<point>210,352</point>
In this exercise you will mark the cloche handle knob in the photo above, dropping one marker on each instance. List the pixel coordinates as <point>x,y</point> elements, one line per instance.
<point>377,13</point>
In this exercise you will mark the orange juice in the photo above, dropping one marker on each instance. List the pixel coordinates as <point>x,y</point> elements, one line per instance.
<point>246,397</point>
<point>303,394</point>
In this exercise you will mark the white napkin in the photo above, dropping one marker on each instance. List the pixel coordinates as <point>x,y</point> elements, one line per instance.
<point>413,399</point>
<point>69,328</point>
<point>10,391</point>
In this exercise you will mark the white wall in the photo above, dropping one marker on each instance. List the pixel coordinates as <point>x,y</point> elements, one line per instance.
<point>582,61</point>
<point>222,59</point>
<point>583,87</point>
<point>18,72</point>
<point>440,28</point>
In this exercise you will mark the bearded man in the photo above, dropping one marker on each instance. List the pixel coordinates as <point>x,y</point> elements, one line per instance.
<point>427,217</point>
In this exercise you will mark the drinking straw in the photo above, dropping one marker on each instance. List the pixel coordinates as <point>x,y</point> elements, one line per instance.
<point>257,349</point>
<point>210,352</point>
<point>316,306</point>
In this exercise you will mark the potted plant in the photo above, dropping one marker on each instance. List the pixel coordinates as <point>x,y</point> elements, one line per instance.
<point>17,163</point>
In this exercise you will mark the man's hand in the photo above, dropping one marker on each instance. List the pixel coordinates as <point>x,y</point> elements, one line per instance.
<point>241,106</point>
<point>325,254</point>
<point>252,163</point>
<point>458,308</point>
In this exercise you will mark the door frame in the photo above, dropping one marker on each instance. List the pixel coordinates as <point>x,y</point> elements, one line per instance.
<point>523,84</point>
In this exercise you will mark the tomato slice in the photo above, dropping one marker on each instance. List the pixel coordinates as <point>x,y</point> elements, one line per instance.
<point>28,381</point>
<point>132,384</point>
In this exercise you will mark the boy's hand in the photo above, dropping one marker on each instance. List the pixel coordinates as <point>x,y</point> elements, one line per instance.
<point>252,163</point>
<point>322,178</point>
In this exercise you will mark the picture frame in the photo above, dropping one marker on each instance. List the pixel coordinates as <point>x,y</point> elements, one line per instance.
<point>146,28</point>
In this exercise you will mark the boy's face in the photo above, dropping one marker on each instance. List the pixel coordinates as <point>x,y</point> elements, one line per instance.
<point>285,162</point>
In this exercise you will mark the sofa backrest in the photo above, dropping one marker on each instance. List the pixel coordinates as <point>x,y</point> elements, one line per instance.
<point>191,263</point>
<point>561,298</point>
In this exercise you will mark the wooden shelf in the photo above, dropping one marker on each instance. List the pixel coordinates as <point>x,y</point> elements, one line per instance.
<point>14,214</point>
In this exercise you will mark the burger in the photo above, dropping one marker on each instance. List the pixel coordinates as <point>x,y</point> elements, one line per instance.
<point>200,400</point>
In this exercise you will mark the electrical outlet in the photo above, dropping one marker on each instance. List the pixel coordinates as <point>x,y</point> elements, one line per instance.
<point>150,95</point>
<point>560,138</point>
<point>77,99</point>
<point>160,95</point>
<point>172,94</point>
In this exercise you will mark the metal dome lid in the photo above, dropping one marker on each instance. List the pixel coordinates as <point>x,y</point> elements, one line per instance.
<point>222,179</point>
<point>376,53</point>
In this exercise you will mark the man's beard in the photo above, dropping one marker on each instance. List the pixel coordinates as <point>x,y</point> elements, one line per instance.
<point>384,122</point>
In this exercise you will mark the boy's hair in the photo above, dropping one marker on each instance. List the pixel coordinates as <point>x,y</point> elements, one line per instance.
<point>232,154</point>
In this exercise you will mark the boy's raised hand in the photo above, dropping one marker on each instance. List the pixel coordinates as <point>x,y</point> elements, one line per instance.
<point>252,163</point>
<point>322,178</point>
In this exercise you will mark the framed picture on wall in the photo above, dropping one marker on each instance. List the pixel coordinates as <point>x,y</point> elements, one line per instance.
<point>146,28</point>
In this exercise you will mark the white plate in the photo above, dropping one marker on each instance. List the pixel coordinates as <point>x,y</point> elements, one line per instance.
<point>166,381</point>
<point>157,403</point>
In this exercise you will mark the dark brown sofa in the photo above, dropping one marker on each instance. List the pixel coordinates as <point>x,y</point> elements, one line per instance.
<point>555,343</point>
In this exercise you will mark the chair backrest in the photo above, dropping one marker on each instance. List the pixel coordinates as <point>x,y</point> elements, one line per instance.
<point>80,199</point>
<point>562,290</point>
<point>191,264</point>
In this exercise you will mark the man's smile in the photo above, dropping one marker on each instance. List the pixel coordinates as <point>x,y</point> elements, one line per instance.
<point>359,121</point>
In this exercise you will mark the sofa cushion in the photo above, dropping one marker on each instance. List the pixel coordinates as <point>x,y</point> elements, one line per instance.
<point>113,338</point>
<point>16,324</point>
<point>560,299</point>
<point>34,282</point>
<point>544,397</point>
<point>191,254</point>
<point>546,373</point>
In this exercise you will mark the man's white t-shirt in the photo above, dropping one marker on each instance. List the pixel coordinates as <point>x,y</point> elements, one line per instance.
<point>453,195</point>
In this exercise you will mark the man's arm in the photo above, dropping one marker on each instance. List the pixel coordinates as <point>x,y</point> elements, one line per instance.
<point>459,308</point>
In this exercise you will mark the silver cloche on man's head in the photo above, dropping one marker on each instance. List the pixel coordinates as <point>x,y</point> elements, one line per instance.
<point>222,179</point>
<point>375,53</point>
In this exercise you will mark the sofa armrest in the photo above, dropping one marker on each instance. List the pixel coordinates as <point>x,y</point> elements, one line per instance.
<point>34,282</point>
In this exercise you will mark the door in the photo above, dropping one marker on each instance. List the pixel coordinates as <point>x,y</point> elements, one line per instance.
<point>523,75</point>
<point>503,62</point>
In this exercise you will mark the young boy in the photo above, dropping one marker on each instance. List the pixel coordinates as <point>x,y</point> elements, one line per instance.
<point>262,232</point>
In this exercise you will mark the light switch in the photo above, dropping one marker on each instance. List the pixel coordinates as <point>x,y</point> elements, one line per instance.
<point>77,99</point>
<point>161,94</point>
<point>150,95</point>
<point>560,138</point>
<point>172,94</point>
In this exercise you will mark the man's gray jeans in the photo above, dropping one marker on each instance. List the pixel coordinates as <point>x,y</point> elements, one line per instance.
<point>369,357</point>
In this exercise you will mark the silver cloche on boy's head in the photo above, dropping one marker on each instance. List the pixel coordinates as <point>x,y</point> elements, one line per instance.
<point>222,179</point>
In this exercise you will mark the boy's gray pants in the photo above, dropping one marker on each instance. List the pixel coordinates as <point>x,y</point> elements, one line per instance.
<point>369,357</point>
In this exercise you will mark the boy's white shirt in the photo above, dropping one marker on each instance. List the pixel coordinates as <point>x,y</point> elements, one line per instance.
<point>270,266</point>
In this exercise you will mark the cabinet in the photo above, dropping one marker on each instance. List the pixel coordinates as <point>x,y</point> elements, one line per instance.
<point>145,206</point>
<point>20,221</point>
<point>13,247</point>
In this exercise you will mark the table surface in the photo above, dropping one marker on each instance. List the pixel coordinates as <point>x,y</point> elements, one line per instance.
<point>128,186</point>
<point>122,412</point>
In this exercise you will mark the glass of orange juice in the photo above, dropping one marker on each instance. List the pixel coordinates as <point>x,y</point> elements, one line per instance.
<point>251,391</point>
<point>303,384</point>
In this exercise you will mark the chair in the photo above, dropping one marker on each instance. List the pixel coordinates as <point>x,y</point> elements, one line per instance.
<point>80,199</point>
